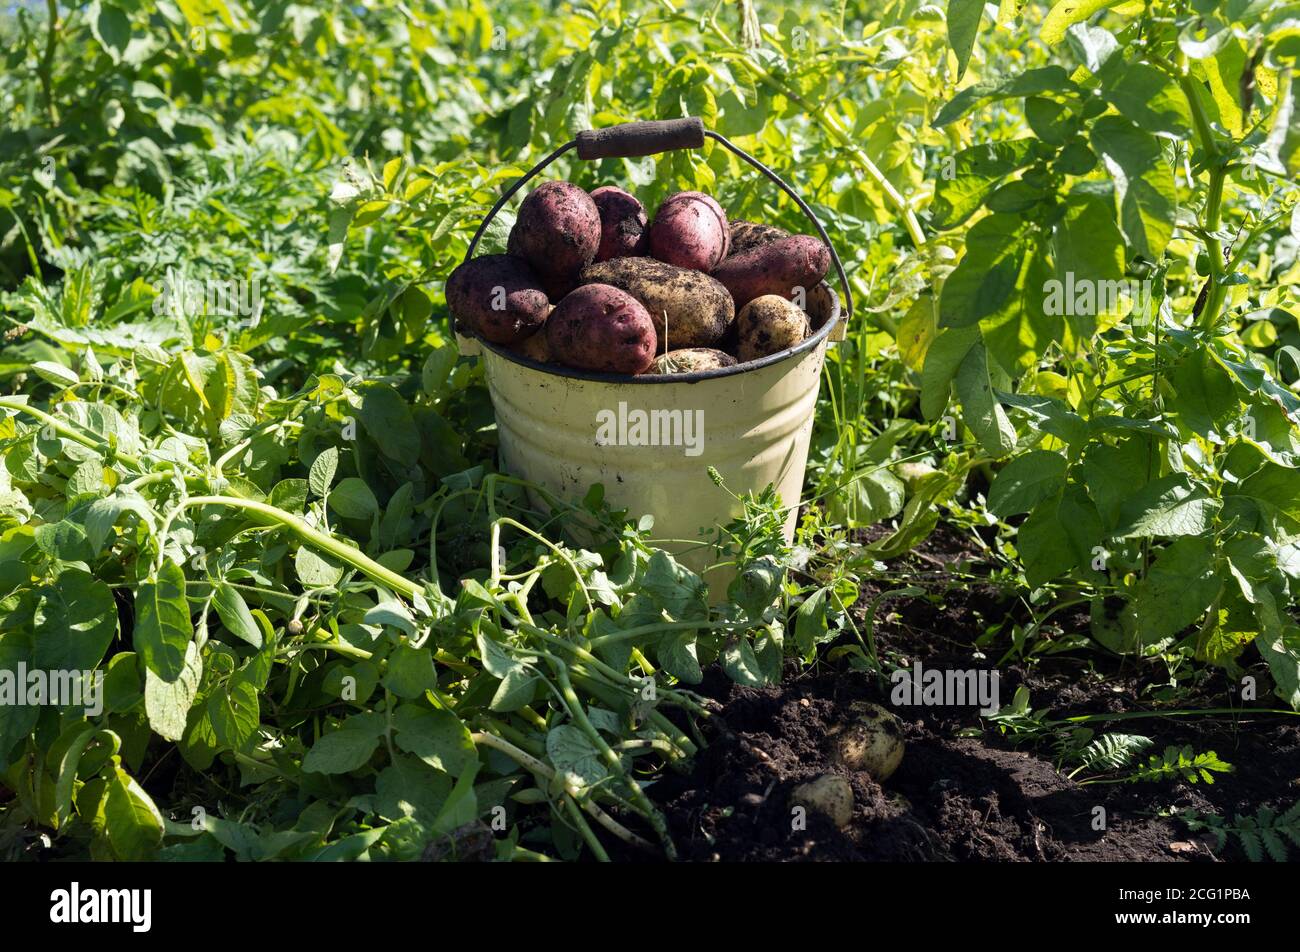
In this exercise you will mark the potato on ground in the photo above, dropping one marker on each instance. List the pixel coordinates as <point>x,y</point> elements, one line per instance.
<point>599,327</point>
<point>769,325</point>
<point>689,308</point>
<point>829,795</point>
<point>747,235</point>
<point>690,231</point>
<point>871,741</point>
<point>557,232</point>
<point>498,298</point>
<point>690,360</point>
<point>623,231</point>
<point>779,267</point>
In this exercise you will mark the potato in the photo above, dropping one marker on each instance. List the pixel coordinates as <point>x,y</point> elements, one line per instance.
<point>768,325</point>
<point>690,231</point>
<point>599,327</point>
<point>746,235</point>
<point>497,297</point>
<point>534,348</point>
<point>872,741</point>
<point>557,231</point>
<point>691,360</point>
<point>623,231</point>
<point>829,795</point>
<point>689,308</point>
<point>779,267</point>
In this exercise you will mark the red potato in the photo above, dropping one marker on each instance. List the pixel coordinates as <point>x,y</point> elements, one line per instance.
<point>557,231</point>
<point>690,231</point>
<point>747,235</point>
<point>599,327</point>
<point>780,267</point>
<point>498,298</point>
<point>623,232</point>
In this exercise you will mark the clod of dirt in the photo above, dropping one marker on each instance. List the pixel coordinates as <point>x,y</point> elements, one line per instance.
<point>871,741</point>
<point>829,795</point>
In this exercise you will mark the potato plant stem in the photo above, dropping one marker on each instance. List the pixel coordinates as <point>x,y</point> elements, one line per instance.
<point>315,538</point>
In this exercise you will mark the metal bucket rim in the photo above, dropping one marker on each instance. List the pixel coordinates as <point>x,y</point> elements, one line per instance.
<point>572,373</point>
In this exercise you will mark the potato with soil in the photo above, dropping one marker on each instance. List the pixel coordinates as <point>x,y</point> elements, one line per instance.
<point>689,308</point>
<point>829,795</point>
<point>768,325</point>
<point>557,232</point>
<point>498,298</point>
<point>779,267</point>
<point>623,231</point>
<point>599,327</point>
<point>747,235</point>
<point>690,231</point>
<point>534,348</point>
<point>691,360</point>
<point>871,741</point>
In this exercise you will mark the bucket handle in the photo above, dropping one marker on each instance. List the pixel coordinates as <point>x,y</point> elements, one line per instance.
<point>636,139</point>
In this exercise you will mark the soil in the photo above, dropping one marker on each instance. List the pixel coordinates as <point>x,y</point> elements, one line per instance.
<point>964,790</point>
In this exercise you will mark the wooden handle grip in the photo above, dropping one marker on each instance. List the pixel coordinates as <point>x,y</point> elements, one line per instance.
<point>634,139</point>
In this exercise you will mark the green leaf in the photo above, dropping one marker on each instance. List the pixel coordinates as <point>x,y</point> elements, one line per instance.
<point>574,756</point>
<point>1029,83</point>
<point>1144,184</point>
<point>679,656</point>
<point>1203,394</point>
<point>387,419</point>
<point>234,614</point>
<point>963,24</point>
<point>1169,506</point>
<point>316,570</point>
<point>981,411</point>
<point>167,703</point>
<point>1048,414</point>
<point>322,471</point>
<point>162,622</point>
<point>111,27</point>
<point>410,672</point>
<point>1275,491</point>
<point>234,712</point>
<point>348,748</point>
<point>352,498</point>
<point>1176,592</point>
<point>1065,13</point>
<point>741,664</point>
<point>133,824</point>
<point>810,622</point>
<point>1113,473</point>
<point>75,620</point>
<point>942,361</point>
<point>409,787</point>
<point>1025,482</point>
<point>436,736</point>
<point>1148,96</point>
<point>976,171</point>
<point>988,277</point>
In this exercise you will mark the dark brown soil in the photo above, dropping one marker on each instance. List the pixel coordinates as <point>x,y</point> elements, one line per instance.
<point>965,791</point>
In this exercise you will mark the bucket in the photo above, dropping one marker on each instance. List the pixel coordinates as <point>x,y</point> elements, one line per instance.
<point>651,439</point>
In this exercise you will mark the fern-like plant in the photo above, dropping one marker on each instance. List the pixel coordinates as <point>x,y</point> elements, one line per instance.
<point>1265,832</point>
<point>1176,763</point>
<point>1110,752</point>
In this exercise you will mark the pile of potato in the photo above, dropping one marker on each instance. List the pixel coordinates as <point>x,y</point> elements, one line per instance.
<point>587,282</point>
